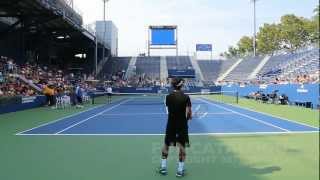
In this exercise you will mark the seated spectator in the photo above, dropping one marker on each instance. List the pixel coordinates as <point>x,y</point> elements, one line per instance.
<point>273,96</point>
<point>284,100</point>
<point>264,98</point>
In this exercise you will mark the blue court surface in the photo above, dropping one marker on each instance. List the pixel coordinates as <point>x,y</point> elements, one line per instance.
<point>129,116</point>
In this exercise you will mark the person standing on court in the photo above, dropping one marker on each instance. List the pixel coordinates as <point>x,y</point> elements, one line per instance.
<point>79,94</point>
<point>179,113</point>
<point>109,93</point>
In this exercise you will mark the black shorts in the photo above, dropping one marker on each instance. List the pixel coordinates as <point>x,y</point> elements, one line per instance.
<point>177,135</point>
<point>109,94</point>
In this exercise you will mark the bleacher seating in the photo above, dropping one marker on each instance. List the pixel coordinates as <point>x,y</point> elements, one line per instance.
<point>213,69</point>
<point>149,66</point>
<point>288,66</point>
<point>303,65</point>
<point>270,68</point>
<point>244,69</point>
<point>210,69</point>
<point>285,66</point>
<point>115,65</point>
<point>180,62</point>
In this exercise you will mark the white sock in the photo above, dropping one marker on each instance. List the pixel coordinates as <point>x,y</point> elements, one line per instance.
<point>180,166</point>
<point>163,163</point>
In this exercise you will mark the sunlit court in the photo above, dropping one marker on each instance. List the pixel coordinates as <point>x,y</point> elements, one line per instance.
<point>162,89</point>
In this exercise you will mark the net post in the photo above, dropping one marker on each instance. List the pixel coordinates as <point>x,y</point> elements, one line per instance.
<point>237,97</point>
<point>92,98</point>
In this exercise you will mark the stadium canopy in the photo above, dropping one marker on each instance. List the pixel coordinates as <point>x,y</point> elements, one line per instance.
<point>46,28</point>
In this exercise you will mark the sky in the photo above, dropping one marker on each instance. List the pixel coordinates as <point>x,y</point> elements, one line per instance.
<point>218,22</point>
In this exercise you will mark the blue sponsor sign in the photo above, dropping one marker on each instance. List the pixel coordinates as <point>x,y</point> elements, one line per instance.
<point>204,47</point>
<point>184,73</point>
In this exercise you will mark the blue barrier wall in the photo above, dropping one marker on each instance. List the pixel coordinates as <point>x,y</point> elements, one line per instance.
<point>25,103</point>
<point>295,92</point>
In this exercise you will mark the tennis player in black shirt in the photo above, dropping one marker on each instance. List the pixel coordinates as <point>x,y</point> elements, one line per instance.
<point>179,112</point>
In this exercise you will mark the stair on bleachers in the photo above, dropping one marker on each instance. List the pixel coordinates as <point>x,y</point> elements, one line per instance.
<point>196,67</point>
<point>131,68</point>
<point>163,68</point>
<point>242,71</point>
<point>101,64</point>
<point>254,74</point>
<point>227,72</point>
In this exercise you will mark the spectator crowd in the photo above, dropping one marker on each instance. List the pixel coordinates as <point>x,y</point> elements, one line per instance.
<point>32,79</point>
<point>119,80</point>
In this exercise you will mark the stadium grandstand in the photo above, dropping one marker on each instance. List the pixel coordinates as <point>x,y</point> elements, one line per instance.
<point>75,105</point>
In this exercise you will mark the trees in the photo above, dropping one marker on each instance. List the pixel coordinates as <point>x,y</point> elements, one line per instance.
<point>293,32</point>
<point>314,27</point>
<point>245,46</point>
<point>268,39</point>
<point>290,34</point>
<point>232,52</point>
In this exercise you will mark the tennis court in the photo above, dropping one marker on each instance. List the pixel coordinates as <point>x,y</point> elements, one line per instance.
<point>146,115</point>
<point>122,140</point>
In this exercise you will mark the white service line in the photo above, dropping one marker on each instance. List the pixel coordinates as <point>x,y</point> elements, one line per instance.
<point>133,114</point>
<point>191,134</point>
<point>244,115</point>
<point>108,109</point>
<point>146,114</point>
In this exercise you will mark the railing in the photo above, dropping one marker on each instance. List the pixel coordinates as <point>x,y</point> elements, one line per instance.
<point>63,8</point>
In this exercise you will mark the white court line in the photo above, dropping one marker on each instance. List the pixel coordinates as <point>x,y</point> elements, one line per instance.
<point>60,119</point>
<point>133,114</point>
<point>145,114</point>
<point>108,109</point>
<point>197,108</point>
<point>191,134</point>
<point>247,116</point>
<point>278,117</point>
<point>63,118</point>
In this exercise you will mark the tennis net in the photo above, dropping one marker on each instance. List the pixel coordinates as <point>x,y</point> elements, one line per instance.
<point>228,97</point>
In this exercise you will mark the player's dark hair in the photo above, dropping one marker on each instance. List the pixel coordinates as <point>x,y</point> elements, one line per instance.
<point>177,83</point>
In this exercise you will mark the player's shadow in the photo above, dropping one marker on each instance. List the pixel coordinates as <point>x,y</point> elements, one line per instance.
<point>266,170</point>
<point>210,158</point>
